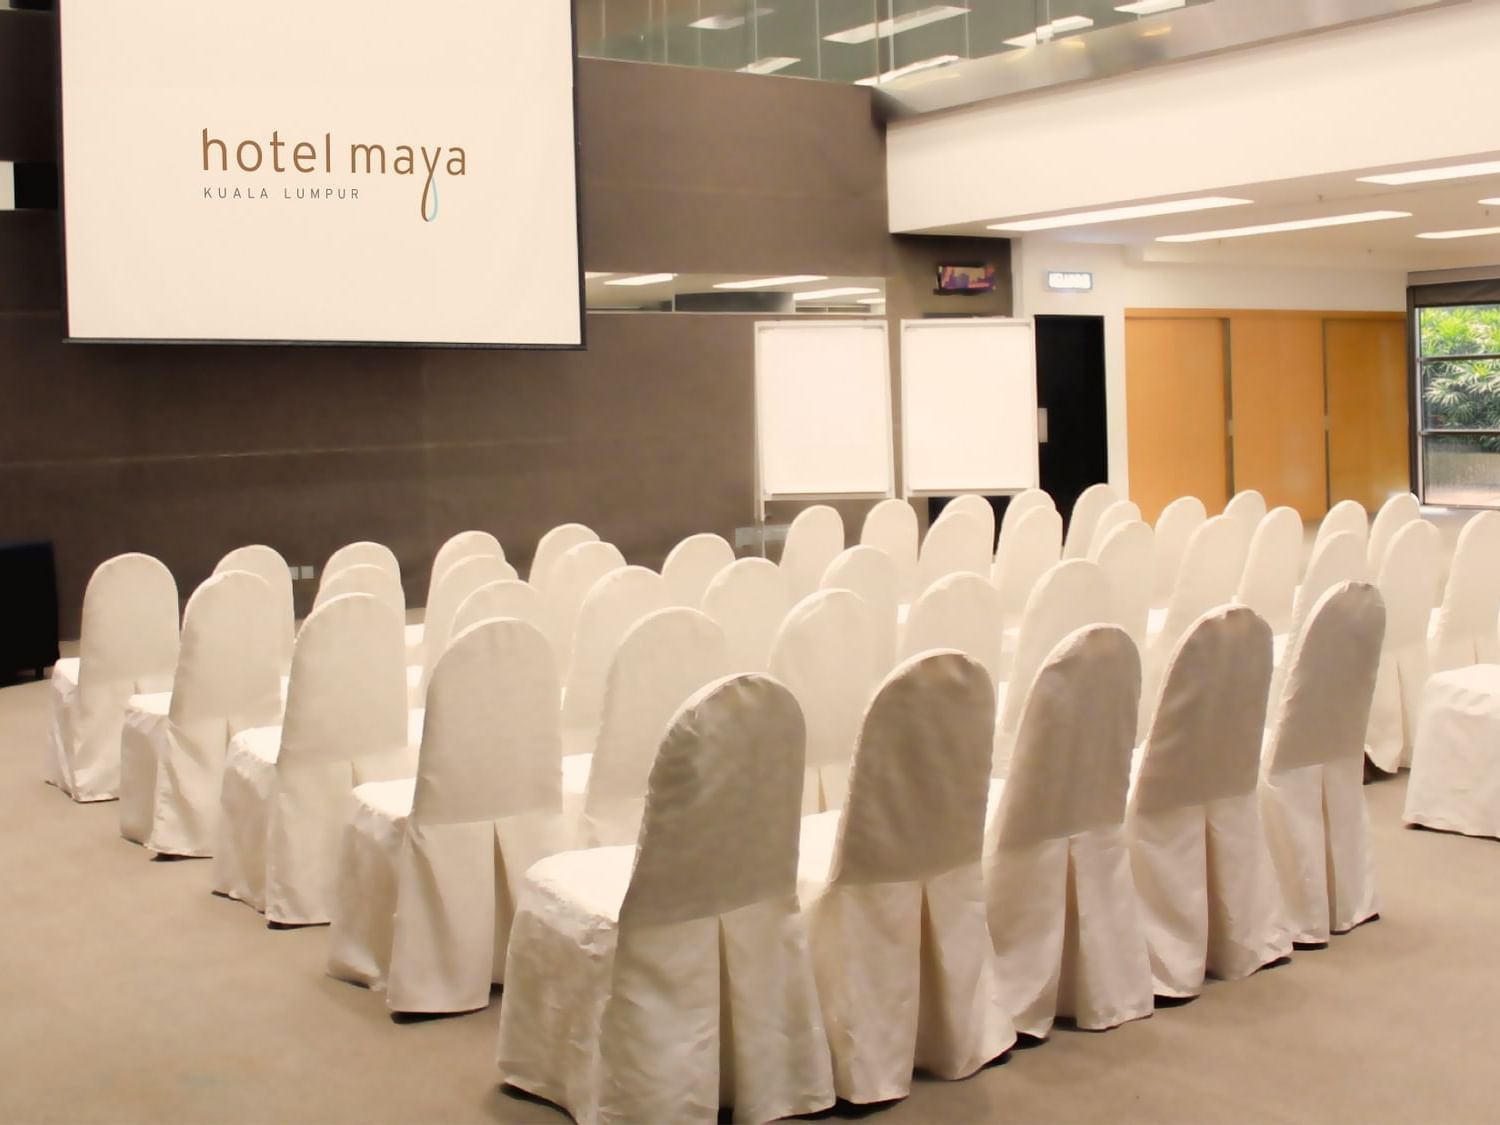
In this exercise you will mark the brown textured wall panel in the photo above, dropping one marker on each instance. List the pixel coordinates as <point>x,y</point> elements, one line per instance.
<point>28,83</point>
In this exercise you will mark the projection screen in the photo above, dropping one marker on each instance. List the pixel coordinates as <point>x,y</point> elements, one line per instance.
<point>345,171</point>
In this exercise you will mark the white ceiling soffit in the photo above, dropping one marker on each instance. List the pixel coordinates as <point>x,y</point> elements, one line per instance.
<point>1195,32</point>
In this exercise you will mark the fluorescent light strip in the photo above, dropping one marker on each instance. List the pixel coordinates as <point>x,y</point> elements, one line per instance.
<point>872,301</point>
<point>727,23</point>
<point>886,28</point>
<point>595,276</point>
<point>1118,214</point>
<point>644,279</point>
<point>769,282</point>
<point>1150,7</point>
<point>1296,224</point>
<point>769,65</point>
<point>1478,232</point>
<point>1060,26</point>
<point>1490,202</point>
<point>909,68</point>
<point>821,294</point>
<point>1429,175</point>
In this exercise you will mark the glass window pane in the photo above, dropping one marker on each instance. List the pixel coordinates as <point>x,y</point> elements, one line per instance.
<point>1460,330</point>
<point>1461,394</point>
<point>1461,469</point>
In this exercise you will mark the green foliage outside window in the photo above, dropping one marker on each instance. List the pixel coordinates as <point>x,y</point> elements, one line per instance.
<point>1460,391</point>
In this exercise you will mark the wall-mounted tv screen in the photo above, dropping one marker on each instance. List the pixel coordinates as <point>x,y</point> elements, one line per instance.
<point>344,171</point>
<point>966,279</point>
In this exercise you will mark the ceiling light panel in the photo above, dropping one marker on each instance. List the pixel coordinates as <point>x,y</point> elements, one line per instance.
<point>727,23</point>
<point>769,65</point>
<point>884,29</point>
<point>644,279</point>
<point>1432,175</point>
<point>1294,225</point>
<point>824,294</point>
<point>772,282</point>
<point>1120,214</point>
<point>1150,7</point>
<point>909,68</point>
<point>1477,232</point>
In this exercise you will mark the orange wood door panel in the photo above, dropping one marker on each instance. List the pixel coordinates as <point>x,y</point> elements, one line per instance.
<point>1276,380</point>
<point>1368,408</point>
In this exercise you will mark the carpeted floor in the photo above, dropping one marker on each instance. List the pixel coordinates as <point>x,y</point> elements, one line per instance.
<point>130,994</point>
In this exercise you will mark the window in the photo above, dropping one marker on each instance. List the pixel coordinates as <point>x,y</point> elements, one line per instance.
<point>1458,382</point>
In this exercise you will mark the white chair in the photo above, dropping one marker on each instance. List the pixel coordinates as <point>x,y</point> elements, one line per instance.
<point>959,612</point>
<point>1174,528</point>
<point>361,553</point>
<point>1455,765</point>
<point>1209,898</point>
<point>512,598</point>
<point>1070,596</point>
<point>975,507</point>
<point>173,745</point>
<point>1400,510</point>
<point>960,544</point>
<point>1312,774</point>
<point>1248,506</point>
<point>825,653</point>
<point>692,565</point>
<point>891,525</point>
<point>1268,583</point>
<point>1120,512</point>
<point>611,609</point>
<point>1463,628</point>
<point>1345,517</point>
<point>893,890</point>
<point>813,540</point>
<point>1026,552</point>
<point>286,789</point>
<point>657,981</point>
<point>551,548</point>
<point>664,658</point>
<point>461,578</point>
<point>1087,509</point>
<point>127,645</point>
<point>463,545</point>
<point>268,565</point>
<point>1062,908</point>
<point>1021,503</point>
<point>870,573</point>
<point>1406,581</point>
<point>429,869</point>
<point>568,584</point>
<point>1339,558</point>
<point>1123,554</point>
<point>749,599</point>
<point>365,578</point>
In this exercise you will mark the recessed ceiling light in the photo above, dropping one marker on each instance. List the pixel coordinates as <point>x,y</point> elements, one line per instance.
<point>886,28</point>
<point>909,68</point>
<point>1296,224</point>
<point>1060,26</point>
<point>644,279</point>
<point>820,294</point>
<point>1478,232</point>
<point>872,300</point>
<point>727,23</point>
<point>1428,175</point>
<point>769,65</point>
<point>1117,214</point>
<point>1490,202</point>
<point>1150,7</point>
<point>594,276</point>
<point>769,282</point>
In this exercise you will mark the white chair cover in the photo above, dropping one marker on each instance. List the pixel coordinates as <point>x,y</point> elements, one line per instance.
<point>551,548</point>
<point>362,553</point>
<point>511,598</point>
<point>1123,553</point>
<point>286,790</point>
<point>364,578</point>
<point>127,645</point>
<point>1269,581</point>
<point>894,892</point>
<point>1062,907</point>
<point>568,584</point>
<point>960,544</point>
<point>691,566</point>
<point>666,657</point>
<point>1400,510</point>
<point>1087,509</point>
<point>656,983</point>
<point>430,869</point>
<point>825,653</point>
<point>1174,527</point>
<point>1027,551</point>
<point>1021,503</point>
<point>959,612</point>
<point>463,545</point>
<point>1209,898</point>
<point>1406,581</point>
<point>1247,505</point>
<point>228,680</point>
<point>1463,629</point>
<point>1338,558</point>
<point>268,565</point>
<point>1070,596</point>
<point>975,507</point>
<point>870,573</point>
<point>891,525</point>
<point>461,578</point>
<point>1455,768</point>
<point>1345,517</point>
<point>611,609</point>
<point>749,600</point>
<point>1121,511</point>
<point>813,540</point>
<point>1311,789</point>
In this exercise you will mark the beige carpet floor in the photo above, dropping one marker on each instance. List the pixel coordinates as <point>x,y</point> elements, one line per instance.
<point>130,994</point>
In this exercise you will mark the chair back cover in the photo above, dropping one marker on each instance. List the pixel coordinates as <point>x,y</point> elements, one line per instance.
<point>960,612</point>
<point>1124,555</point>
<point>510,598</point>
<point>569,583</point>
<point>1174,527</point>
<point>1027,551</point>
<point>1347,516</point>
<point>959,544</point>
<point>1269,582</point>
<point>1071,766</point>
<point>1408,575</point>
<point>363,578</point>
<point>1020,504</point>
<point>975,507</point>
<point>1338,558</point>
<point>1206,578</point>
<point>552,547</point>
<point>461,578</point>
<point>1087,509</point>
<point>691,566</point>
<point>664,659</point>
<point>748,599</point>
<point>267,564</point>
<point>891,525</point>
<point>1465,629</point>
<point>813,540</point>
<point>1400,510</point>
<point>1325,701</point>
<point>871,574</point>
<point>1205,737</point>
<point>362,553</point>
<point>1121,511</point>
<point>463,545</point>
<point>617,601</point>
<point>1247,505</point>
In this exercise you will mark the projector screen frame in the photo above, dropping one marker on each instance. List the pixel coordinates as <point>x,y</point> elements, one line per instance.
<point>450,345</point>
